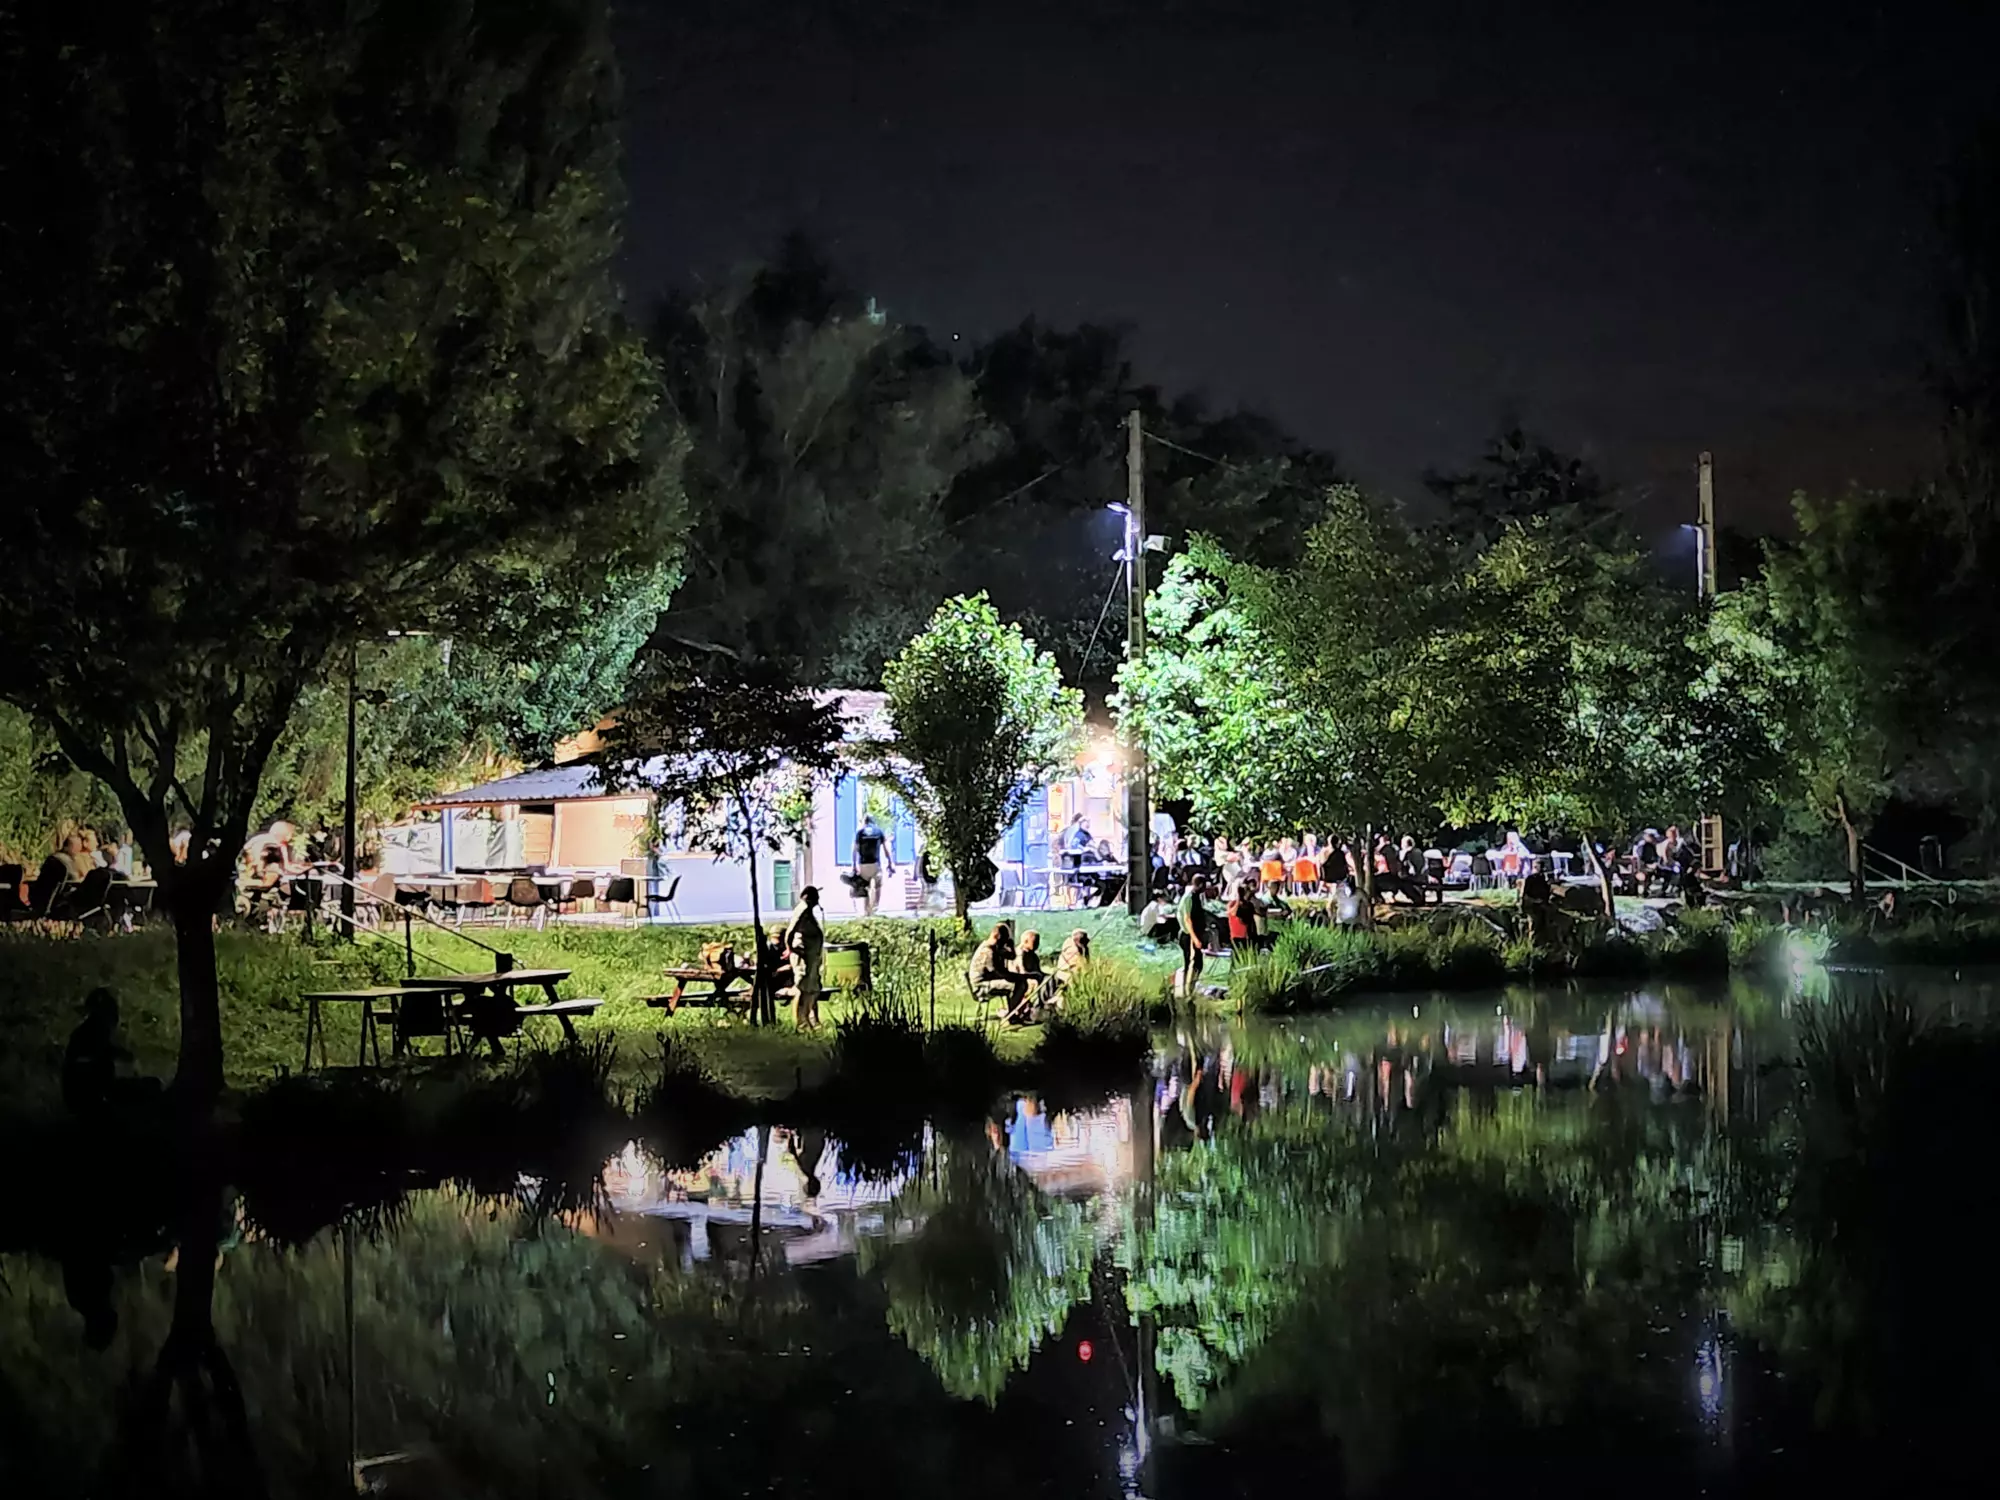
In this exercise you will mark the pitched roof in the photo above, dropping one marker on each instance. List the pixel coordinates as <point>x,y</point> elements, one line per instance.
<point>574,782</point>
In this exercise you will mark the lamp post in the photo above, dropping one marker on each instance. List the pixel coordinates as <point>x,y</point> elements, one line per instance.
<point>350,839</point>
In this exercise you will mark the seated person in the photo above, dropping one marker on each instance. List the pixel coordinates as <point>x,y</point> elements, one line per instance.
<point>1036,986</point>
<point>1536,890</point>
<point>992,973</point>
<point>1246,921</point>
<point>91,1084</point>
<point>1074,958</point>
<point>1157,923</point>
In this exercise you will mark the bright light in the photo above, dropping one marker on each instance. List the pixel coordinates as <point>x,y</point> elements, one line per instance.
<point>1119,508</point>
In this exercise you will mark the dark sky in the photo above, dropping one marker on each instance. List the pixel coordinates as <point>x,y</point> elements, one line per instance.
<point>1644,230</point>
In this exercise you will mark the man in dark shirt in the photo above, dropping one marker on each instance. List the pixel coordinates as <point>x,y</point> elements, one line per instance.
<point>872,860</point>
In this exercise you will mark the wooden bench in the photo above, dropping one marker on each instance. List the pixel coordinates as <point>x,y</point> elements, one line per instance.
<point>562,1010</point>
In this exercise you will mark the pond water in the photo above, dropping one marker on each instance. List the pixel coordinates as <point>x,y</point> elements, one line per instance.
<point>1489,1244</point>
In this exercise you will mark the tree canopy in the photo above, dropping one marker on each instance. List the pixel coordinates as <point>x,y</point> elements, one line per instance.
<point>314,339</point>
<point>980,718</point>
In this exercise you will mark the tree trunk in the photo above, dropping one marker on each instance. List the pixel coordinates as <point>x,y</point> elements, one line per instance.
<point>1364,876</point>
<point>1603,873</point>
<point>198,1077</point>
<point>961,901</point>
<point>763,1004</point>
<point>1857,877</point>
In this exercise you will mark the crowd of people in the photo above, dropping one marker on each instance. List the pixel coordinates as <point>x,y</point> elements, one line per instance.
<point>1207,896</point>
<point>77,854</point>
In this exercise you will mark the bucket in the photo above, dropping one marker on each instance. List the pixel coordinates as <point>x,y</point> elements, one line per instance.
<point>845,966</point>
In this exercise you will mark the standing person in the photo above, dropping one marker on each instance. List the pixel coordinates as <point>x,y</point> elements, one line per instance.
<point>872,860</point>
<point>1194,930</point>
<point>1166,836</point>
<point>805,941</point>
<point>1247,934</point>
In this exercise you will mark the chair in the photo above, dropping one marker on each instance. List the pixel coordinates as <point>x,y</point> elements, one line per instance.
<point>1482,872</point>
<point>666,898</point>
<point>12,907</point>
<point>471,896</point>
<point>622,890</point>
<point>524,896</point>
<point>581,889</point>
<point>84,899</point>
<point>424,1015</point>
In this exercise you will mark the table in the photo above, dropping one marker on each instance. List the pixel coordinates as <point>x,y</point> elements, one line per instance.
<point>719,981</point>
<point>1094,875</point>
<point>486,993</point>
<point>366,999</point>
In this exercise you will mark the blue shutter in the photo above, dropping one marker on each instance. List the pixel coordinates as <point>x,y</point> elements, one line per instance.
<point>1014,846</point>
<point>846,818</point>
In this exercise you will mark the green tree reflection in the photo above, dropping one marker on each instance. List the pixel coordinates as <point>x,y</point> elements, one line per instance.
<point>991,1271</point>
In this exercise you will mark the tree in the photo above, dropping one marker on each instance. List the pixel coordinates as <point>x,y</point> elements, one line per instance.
<point>1519,478</point>
<point>1562,692</point>
<point>990,1273</point>
<point>980,719</point>
<point>312,339</point>
<point>1889,689</point>
<point>437,712</point>
<point>1280,699</point>
<point>825,438</point>
<point>726,743</point>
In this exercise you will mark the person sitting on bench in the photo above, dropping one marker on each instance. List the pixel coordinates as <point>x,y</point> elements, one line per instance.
<point>991,973</point>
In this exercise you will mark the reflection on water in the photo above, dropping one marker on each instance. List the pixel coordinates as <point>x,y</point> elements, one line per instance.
<point>1490,1245</point>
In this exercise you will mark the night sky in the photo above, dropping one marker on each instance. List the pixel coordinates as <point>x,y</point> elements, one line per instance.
<point>1642,230</point>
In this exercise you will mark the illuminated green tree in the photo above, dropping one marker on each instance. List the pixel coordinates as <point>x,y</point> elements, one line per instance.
<point>980,718</point>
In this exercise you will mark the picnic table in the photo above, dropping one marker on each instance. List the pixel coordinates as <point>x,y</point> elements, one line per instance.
<point>720,980</point>
<point>489,1011</point>
<point>390,998</point>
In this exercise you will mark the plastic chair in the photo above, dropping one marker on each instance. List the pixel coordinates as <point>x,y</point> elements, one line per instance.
<point>666,898</point>
<point>622,890</point>
<point>581,889</point>
<point>523,895</point>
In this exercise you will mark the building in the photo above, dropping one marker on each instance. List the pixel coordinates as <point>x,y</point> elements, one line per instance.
<point>561,821</point>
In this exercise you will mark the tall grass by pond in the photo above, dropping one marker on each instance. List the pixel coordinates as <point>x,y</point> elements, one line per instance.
<point>1310,967</point>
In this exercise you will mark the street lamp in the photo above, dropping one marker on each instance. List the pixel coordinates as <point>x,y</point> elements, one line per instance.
<point>349,839</point>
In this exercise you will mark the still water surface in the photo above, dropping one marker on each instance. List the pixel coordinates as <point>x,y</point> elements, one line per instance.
<point>1499,1244</point>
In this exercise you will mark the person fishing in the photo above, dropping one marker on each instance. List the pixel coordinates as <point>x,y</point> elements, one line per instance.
<point>805,943</point>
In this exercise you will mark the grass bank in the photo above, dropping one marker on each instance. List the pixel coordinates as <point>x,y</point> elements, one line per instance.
<point>43,982</point>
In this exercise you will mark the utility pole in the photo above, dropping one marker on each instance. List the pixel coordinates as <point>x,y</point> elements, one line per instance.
<point>348,864</point>
<point>1705,533</point>
<point>1138,810</point>
<point>1711,835</point>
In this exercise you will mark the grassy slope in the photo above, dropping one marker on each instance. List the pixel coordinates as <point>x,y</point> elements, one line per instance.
<point>43,982</point>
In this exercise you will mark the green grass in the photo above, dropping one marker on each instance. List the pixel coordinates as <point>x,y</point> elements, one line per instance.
<point>43,982</point>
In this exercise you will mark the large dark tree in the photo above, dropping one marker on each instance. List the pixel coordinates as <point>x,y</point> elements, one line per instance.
<point>311,337</point>
<point>825,438</point>
<point>1519,478</point>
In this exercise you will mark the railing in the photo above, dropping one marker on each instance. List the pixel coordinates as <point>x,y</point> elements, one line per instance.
<point>1880,871</point>
<point>410,915</point>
